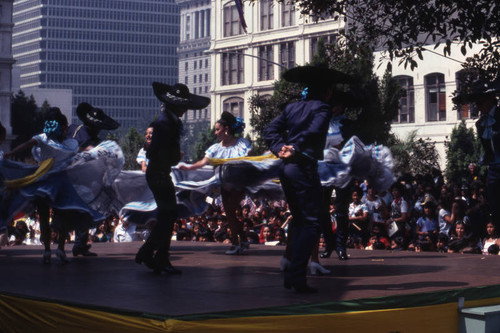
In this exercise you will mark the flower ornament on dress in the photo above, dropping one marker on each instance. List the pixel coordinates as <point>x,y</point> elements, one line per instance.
<point>238,126</point>
<point>52,128</point>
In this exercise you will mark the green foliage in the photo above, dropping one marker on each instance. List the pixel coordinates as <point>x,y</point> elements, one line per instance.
<point>263,110</point>
<point>191,138</point>
<point>407,29</point>
<point>462,149</point>
<point>131,143</point>
<point>24,116</point>
<point>379,100</point>
<point>205,139</point>
<point>414,156</point>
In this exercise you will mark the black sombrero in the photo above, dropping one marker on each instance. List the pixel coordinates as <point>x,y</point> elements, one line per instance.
<point>179,95</point>
<point>349,99</point>
<point>478,89</point>
<point>94,117</point>
<point>316,75</point>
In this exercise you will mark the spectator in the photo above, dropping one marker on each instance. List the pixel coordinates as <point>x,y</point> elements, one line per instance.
<point>491,238</point>
<point>102,233</point>
<point>396,224</point>
<point>445,218</point>
<point>461,240</point>
<point>442,243</point>
<point>427,224</point>
<point>141,156</point>
<point>266,235</point>
<point>124,232</point>
<point>358,219</point>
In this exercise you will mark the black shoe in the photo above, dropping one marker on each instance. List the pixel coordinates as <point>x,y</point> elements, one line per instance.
<point>171,270</point>
<point>84,252</point>
<point>326,254</point>
<point>342,254</point>
<point>162,264</point>
<point>300,288</point>
<point>146,257</point>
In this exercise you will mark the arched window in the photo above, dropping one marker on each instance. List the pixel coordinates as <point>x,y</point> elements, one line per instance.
<point>234,105</point>
<point>435,96</point>
<point>406,112</point>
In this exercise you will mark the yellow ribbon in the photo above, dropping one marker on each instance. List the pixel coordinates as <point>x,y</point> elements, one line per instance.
<point>44,167</point>
<point>220,161</point>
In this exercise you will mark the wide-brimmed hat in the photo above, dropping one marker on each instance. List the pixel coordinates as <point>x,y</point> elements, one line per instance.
<point>316,75</point>
<point>345,98</point>
<point>94,117</point>
<point>179,95</point>
<point>478,89</point>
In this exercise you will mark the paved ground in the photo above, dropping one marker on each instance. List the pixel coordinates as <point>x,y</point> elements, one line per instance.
<point>213,282</point>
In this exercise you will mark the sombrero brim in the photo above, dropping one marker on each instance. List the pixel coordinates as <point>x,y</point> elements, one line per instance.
<point>192,101</point>
<point>471,98</point>
<point>316,75</point>
<point>105,122</point>
<point>348,99</point>
<point>480,88</point>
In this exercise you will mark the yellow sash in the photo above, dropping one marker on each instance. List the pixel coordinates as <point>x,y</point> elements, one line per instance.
<point>219,161</point>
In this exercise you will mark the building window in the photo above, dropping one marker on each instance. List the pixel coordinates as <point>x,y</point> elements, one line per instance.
<point>462,79</point>
<point>232,26</point>
<point>287,14</point>
<point>196,25</point>
<point>435,92</point>
<point>186,66</point>
<point>287,54</point>
<point>188,27</point>
<point>406,112</point>
<point>233,68</point>
<point>266,59</point>
<point>234,105</point>
<point>266,14</point>
<point>329,39</point>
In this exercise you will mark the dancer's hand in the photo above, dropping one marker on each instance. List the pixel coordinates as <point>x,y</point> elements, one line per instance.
<point>286,152</point>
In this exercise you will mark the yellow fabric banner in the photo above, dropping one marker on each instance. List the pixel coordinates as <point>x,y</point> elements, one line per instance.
<point>24,315</point>
<point>44,167</point>
<point>219,161</point>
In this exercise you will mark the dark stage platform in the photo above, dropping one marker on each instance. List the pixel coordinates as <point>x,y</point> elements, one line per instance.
<point>213,282</point>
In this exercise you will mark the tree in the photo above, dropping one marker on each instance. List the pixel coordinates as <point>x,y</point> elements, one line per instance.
<point>131,144</point>
<point>414,156</point>
<point>205,139</point>
<point>379,100</point>
<point>408,29</point>
<point>462,149</point>
<point>23,115</point>
<point>191,138</point>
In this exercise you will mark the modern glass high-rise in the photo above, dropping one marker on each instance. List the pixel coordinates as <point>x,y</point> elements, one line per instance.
<point>107,51</point>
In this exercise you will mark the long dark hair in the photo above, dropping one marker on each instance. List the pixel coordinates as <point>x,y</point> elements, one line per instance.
<point>235,125</point>
<point>54,123</point>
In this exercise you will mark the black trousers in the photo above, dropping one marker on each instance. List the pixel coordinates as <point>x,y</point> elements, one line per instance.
<point>160,183</point>
<point>302,188</point>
